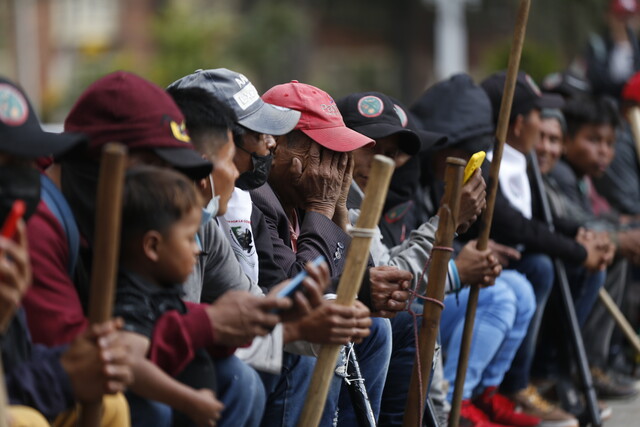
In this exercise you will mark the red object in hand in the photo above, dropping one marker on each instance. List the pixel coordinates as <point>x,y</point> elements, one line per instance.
<point>10,224</point>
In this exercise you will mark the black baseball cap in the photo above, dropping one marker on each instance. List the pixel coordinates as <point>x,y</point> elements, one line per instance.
<point>375,115</point>
<point>235,90</point>
<point>20,132</point>
<point>567,84</point>
<point>460,109</point>
<point>526,97</point>
<point>428,139</point>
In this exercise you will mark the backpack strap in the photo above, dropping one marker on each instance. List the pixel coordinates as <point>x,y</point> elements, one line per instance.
<point>57,204</point>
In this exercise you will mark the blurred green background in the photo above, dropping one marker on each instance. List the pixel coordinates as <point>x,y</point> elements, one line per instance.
<point>56,48</point>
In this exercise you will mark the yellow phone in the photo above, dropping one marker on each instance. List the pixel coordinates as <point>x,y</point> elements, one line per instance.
<point>474,163</point>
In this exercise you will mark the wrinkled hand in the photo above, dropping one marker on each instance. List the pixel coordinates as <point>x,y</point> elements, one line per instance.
<point>504,253</point>
<point>320,182</point>
<point>15,272</point>
<point>341,214</point>
<point>332,323</point>
<point>477,267</point>
<point>629,245</point>
<point>238,317</point>
<point>389,290</point>
<point>205,410</point>
<point>303,302</point>
<point>473,200</point>
<point>97,362</point>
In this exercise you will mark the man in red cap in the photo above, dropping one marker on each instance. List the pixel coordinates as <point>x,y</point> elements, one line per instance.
<point>304,204</point>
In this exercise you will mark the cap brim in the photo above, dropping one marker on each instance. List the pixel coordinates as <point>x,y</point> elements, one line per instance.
<point>34,144</point>
<point>429,140</point>
<point>549,100</point>
<point>271,120</point>
<point>409,141</point>
<point>339,138</point>
<point>186,161</point>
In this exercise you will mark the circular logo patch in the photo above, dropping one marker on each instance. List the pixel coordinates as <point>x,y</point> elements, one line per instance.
<point>14,109</point>
<point>370,106</point>
<point>402,115</point>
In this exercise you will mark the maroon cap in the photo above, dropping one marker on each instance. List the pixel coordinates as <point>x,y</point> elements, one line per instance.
<point>320,118</point>
<point>122,107</point>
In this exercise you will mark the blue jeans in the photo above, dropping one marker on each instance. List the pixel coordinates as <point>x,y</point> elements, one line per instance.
<point>538,269</point>
<point>502,318</point>
<point>241,391</point>
<point>584,286</point>
<point>239,388</point>
<point>146,412</point>
<point>287,392</point>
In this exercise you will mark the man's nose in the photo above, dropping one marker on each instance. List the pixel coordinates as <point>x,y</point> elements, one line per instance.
<point>270,141</point>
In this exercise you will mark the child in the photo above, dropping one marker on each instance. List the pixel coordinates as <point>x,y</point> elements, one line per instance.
<point>161,215</point>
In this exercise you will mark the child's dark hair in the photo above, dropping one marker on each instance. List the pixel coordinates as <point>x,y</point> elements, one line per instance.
<point>155,199</point>
<point>593,111</point>
<point>204,115</point>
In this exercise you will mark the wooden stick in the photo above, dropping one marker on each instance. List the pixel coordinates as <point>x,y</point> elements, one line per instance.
<point>622,322</point>
<point>634,119</point>
<point>438,268</point>
<point>355,265</point>
<point>487,217</point>
<point>105,251</point>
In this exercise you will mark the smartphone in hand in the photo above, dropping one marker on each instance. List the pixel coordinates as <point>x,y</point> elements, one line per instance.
<point>295,284</point>
<point>474,163</point>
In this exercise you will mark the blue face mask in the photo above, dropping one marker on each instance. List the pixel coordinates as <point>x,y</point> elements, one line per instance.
<point>211,209</point>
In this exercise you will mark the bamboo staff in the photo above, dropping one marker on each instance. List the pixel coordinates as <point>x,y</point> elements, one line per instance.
<point>622,322</point>
<point>487,217</point>
<point>448,218</point>
<point>355,264</point>
<point>105,251</point>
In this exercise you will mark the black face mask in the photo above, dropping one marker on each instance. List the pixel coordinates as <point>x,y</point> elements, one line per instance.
<point>19,183</point>
<point>255,178</point>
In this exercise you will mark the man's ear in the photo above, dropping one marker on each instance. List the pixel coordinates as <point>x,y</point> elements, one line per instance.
<point>518,125</point>
<point>151,242</point>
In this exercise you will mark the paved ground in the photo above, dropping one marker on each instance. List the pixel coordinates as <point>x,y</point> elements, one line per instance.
<point>626,413</point>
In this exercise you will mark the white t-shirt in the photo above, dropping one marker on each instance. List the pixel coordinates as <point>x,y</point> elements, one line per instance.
<point>236,223</point>
<point>514,181</point>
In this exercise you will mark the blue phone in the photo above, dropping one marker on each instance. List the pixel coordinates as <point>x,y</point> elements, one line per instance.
<point>296,283</point>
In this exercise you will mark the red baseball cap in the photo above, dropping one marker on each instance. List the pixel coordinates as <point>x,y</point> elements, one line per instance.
<point>631,90</point>
<point>320,119</point>
<point>123,107</point>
